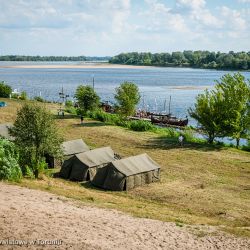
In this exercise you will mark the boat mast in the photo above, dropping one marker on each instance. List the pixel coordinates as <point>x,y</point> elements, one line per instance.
<point>164,108</point>
<point>169,105</point>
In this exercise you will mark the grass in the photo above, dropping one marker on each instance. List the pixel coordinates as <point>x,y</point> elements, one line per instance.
<point>200,184</point>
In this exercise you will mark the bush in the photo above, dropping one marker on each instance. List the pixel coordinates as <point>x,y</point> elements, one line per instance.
<point>71,110</point>
<point>14,96</point>
<point>39,99</point>
<point>5,90</point>
<point>68,104</point>
<point>9,168</point>
<point>141,126</point>
<point>23,96</point>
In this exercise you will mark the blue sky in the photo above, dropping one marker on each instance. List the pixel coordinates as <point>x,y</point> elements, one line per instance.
<point>92,27</point>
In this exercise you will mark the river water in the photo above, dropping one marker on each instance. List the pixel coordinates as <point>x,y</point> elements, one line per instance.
<point>156,84</point>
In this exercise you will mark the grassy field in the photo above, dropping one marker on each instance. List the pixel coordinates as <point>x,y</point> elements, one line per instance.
<point>199,184</point>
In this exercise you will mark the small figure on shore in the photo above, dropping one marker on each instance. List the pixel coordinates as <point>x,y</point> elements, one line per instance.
<point>81,119</point>
<point>181,138</point>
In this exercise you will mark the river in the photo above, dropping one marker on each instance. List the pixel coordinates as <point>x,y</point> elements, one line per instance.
<point>156,84</point>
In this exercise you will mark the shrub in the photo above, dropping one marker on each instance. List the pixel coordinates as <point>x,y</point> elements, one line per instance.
<point>23,96</point>
<point>9,168</point>
<point>71,110</point>
<point>141,126</point>
<point>5,90</point>
<point>68,104</point>
<point>39,99</point>
<point>14,96</point>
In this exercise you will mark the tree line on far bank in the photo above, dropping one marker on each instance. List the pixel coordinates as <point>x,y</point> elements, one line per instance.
<point>187,58</point>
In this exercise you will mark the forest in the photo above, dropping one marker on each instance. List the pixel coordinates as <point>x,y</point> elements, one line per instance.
<point>188,58</point>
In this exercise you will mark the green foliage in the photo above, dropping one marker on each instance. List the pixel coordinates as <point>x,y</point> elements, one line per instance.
<point>236,104</point>
<point>68,104</point>
<point>9,167</point>
<point>23,96</point>
<point>14,96</point>
<point>188,58</point>
<point>224,111</point>
<point>35,135</point>
<point>72,110</point>
<point>5,90</point>
<point>127,95</point>
<point>141,126</point>
<point>87,98</point>
<point>208,114</point>
<point>28,173</point>
<point>39,99</point>
<point>111,119</point>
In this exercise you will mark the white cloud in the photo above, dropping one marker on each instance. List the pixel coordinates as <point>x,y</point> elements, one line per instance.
<point>95,27</point>
<point>244,1</point>
<point>193,4</point>
<point>233,18</point>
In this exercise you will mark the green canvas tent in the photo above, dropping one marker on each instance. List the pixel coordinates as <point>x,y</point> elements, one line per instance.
<point>73,147</point>
<point>83,166</point>
<point>69,148</point>
<point>127,173</point>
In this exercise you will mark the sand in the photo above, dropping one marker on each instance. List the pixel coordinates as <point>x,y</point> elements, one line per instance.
<point>75,66</point>
<point>33,216</point>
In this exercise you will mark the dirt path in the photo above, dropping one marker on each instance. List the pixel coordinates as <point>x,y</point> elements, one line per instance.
<point>27,215</point>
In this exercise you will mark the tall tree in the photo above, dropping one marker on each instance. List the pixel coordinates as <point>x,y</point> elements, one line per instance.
<point>127,96</point>
<point>5,90</point>
<point>207,111</point>
<point>87,98</point>
<point>236,94</point>
<point>35,135</point>
<point>224,111</point>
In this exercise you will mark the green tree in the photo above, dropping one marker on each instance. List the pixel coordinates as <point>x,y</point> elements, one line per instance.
<point>224,111</point>
<point>35,135</point>
<point>5,90</point>
<point>127,96</point>
<point>207,111</point>
<point>9,167</point>
<point>87,98</point>
<point>236,94</point>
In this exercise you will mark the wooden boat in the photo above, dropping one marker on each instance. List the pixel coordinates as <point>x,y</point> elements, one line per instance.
<point>160,119</point>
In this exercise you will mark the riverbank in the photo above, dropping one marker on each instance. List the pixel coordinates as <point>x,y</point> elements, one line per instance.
<point>200,184</point>
<point>73,66</point>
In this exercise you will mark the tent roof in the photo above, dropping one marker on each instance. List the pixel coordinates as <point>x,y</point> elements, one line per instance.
<point>135,165</point>
<point>97,156</point>
<point>4,132</point>
<point>74,147</point>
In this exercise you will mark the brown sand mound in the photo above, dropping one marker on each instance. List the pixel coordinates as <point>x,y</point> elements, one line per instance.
<point>30,215</point>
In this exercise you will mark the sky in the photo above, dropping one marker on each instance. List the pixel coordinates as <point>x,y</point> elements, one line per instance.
<point>109,27</point>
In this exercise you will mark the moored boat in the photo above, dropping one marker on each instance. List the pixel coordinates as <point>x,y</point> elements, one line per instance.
<point>168,120</point>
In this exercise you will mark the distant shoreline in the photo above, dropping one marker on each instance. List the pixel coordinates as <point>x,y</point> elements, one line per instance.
<point>75,66</point>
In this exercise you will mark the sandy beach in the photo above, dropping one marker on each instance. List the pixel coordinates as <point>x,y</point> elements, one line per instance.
<point>75,66</point>
<point>40,220</point>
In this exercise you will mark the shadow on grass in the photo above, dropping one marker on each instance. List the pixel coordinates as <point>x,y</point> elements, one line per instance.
<point>89,185</point>
<point>66,116</point>
<point>166,143</point>
<point>89,124</point>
